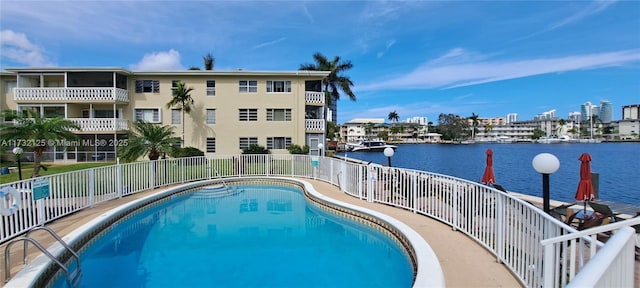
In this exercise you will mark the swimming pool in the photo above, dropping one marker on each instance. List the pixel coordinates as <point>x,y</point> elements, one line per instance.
<point>256,235</point>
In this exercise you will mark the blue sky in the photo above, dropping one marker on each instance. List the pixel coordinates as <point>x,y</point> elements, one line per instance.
<point>418,58</point>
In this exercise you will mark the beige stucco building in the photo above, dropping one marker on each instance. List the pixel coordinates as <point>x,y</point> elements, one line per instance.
<point>231,110</point>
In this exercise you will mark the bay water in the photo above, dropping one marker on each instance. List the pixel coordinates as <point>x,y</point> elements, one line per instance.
<point>617,166</point>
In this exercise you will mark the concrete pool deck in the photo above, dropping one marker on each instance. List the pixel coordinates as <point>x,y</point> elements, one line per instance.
<point>463,261</point>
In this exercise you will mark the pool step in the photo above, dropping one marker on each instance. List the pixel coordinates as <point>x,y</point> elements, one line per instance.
<point>216,191</point>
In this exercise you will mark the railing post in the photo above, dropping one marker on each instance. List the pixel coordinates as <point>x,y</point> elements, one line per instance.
<point>92,190</point>
<point>414,192</point>
<point>500,229</point>
<point>152,174</point>
<point>267,165</point>
<point>549,275</point>
<point>370,180</point>
<point>455,209</point>
<point>119,177</point>
<point>182,169</point>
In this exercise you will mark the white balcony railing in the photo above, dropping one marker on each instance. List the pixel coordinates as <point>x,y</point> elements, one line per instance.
<point>75,94</point>
<point>314,97</point>
<point>314,125</point>
<point>100,124</point>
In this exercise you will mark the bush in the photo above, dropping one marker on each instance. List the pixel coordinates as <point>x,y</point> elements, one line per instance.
<point>186,152</point>
<point>256,149</point>
<point>296,149</point>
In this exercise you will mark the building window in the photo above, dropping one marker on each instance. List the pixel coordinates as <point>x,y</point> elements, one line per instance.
<point>248,86</point>
<point>211,88</point>
<point>147,86</point>
<point>175,116</point>
<point>246,141</point>
<point>211,116</point>
<point>174,84</point>
<point>278,142</point>
<point>148,115</point>
<point>211,145</point>
<point>279,86</point>
<point>53,111</point>
<point>9,85</point>
<point>100,114</point>
<point>278,114</point>
<point>248,114</point>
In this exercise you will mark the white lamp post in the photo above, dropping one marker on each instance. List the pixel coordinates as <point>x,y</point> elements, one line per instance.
<point>389,153</point>
<point>545,164</point>
<point>18,151</point>
<point>320,147</point>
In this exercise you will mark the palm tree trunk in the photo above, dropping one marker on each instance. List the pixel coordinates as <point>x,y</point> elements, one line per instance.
<point>182,125</point>
<point>37,162</point>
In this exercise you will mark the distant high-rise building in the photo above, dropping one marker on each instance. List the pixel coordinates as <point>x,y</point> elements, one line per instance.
<point>576,117</point>
<point>631,112</point>
<point>606,111</point>
<point>549,115</point>
<point>595,110</point>
<point>512,117</point>
<point>586,111</point>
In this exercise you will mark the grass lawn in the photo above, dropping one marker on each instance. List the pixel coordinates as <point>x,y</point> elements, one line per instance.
<point>53,168</point>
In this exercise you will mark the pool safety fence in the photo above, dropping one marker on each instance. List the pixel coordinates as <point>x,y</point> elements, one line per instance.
<point>539,249</point>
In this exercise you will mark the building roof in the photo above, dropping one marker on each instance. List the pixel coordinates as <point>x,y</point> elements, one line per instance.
<point>365,121</point>
<point>169,72</point>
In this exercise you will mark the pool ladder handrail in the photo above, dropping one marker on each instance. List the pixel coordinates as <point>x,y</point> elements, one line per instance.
<point>73,278</point>
<point>220,177</point>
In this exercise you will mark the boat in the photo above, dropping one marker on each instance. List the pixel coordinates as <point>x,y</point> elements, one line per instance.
<point>504,139</point>
<point>548,140</point>
<point>369,146</point>
<point>590,140</point>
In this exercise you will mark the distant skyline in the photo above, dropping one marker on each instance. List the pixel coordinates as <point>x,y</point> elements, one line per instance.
<point>418,58</point>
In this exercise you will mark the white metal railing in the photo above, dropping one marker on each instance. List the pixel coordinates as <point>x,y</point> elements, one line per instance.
<point>533,245</point>
<point>616,255</point>
<point>71,94</point>
<point>314,124</point>
<point>311,97</point>
<point>71,152</point>
<point>101,124</point>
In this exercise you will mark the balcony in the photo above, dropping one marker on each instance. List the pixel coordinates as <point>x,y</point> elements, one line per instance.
<point>100,124</point>
<point>314,125</point>
<point>74,94</point>
<point>316,98</point>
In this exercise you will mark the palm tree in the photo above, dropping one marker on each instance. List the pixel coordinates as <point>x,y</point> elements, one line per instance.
<point>209,61</point>
<point>368,129</point>
<point>335,80</point>
<point>393,116</point>
<point>474,123</point>
<point>182,99</point>
<point>148,139</point>
<point>38,133</point>
<point>561,124</point>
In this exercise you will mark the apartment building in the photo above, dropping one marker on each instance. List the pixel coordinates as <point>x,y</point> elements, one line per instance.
<point>361,128</point>
<point>231,110</point>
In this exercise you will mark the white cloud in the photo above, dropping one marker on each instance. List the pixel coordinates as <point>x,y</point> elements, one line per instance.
<point>169,60</point>
<point>17,48</point>
<point>591,9</point>
<point>269,43</point>
<point>459,68</point>
<point>389,44</point>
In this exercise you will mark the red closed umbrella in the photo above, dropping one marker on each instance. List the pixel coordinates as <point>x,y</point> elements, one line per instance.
<point>488,176</point>
<point>585,187</point>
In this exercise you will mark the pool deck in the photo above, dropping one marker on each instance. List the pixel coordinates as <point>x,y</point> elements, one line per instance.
<point>464,262</point>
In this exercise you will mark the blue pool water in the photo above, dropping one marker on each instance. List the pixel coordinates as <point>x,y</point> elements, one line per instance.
<point>262,236</point>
